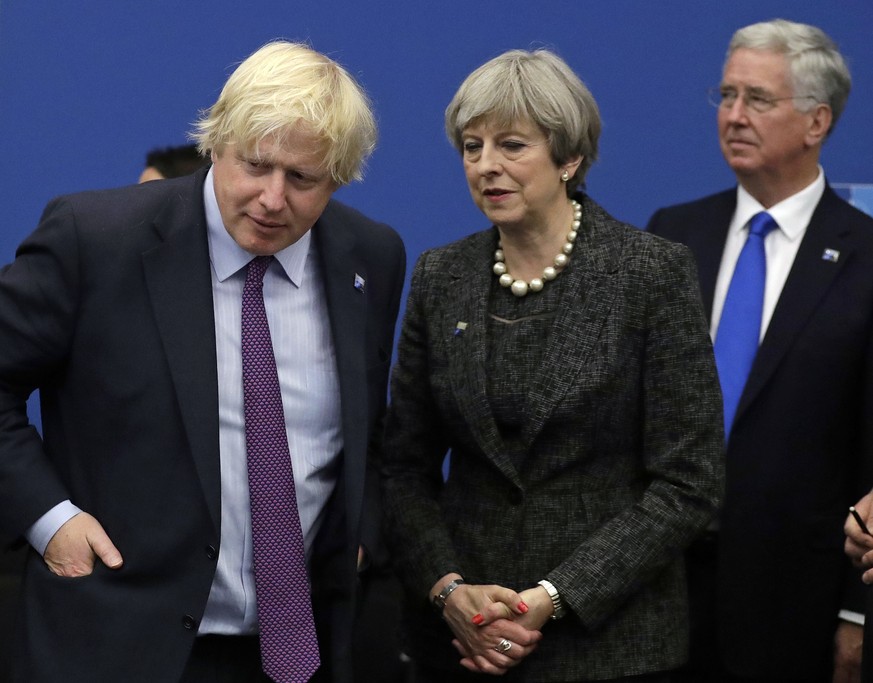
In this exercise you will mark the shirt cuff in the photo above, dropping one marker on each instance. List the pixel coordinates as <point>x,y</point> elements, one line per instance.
<point>42,531</point>
<point>853,617</point>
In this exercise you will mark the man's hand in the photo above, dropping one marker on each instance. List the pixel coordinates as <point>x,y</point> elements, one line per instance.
<point>859,544</point>
<point>848,643</point>
<point>74,546</point>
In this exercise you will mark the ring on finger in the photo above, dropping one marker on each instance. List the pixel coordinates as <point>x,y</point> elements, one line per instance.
<point>503,645</point>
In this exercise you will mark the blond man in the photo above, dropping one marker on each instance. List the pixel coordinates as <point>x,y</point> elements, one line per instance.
<point>127,310</point>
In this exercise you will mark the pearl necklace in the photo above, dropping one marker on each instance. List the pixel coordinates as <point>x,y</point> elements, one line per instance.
<point>520,287</point>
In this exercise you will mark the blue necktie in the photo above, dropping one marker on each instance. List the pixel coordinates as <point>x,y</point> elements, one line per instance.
<point>739,329</point>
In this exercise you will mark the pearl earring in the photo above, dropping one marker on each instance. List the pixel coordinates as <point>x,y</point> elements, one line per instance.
<point>565,176</point>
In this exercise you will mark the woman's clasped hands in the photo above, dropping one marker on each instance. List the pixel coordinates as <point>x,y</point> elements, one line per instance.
<point>495,627</point>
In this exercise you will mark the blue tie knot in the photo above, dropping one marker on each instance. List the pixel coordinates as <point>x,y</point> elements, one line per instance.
<point>761,224</point>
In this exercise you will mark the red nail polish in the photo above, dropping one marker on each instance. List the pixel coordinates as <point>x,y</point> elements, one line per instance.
<point>478,619</point>
<point>522,607</point>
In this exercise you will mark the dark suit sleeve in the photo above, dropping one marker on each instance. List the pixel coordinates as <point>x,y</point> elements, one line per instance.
<point>37,308</point>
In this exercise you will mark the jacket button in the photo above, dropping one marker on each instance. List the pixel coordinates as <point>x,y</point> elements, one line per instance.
<point>211,552</point>
<point>189,622</point>
<point>516,497</point>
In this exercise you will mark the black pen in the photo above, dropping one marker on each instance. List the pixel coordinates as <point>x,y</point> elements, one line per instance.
<point>860,521</point>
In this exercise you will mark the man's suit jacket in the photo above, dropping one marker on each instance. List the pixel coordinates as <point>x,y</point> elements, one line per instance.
<point>107,309</point>
<point>623,451</point>
<point>801,443</point>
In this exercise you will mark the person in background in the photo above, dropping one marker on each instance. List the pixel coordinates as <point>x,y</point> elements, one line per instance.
<point>562,358</point>
<point>858,546</point>
<point>172,162</point>
<point>786,272</point>
<point>212,355</point>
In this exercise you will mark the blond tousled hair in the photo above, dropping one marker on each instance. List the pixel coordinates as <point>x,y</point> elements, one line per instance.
<point>283,86</point>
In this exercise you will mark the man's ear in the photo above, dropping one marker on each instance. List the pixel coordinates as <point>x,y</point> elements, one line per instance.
<point>820,123</point>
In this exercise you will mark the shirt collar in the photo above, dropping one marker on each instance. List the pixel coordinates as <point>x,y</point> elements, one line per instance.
<point>792,214</point>
<point>228,257</point>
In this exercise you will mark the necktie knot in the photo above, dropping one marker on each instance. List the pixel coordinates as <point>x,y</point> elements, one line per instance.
<point>761,224</point>
<point>257,267</point>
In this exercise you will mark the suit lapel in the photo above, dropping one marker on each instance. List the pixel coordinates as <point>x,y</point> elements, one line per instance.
<point>179,283</point>
<point>572,340</point>
<point>809,279</point>
<point>707,240</point>
<point>347,311</point>
<point>467,302</point>
<point>575,332</point>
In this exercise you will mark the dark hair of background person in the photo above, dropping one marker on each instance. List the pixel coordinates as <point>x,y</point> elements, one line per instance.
<point>172,162</point>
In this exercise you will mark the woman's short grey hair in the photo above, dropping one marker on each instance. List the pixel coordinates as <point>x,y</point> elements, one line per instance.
<point>537,86</point>
<point>817,68</point>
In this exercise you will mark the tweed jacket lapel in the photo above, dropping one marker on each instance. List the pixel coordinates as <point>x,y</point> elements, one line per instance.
<point>809,279</point>
<point>576,328</point>
<point>467,302</point>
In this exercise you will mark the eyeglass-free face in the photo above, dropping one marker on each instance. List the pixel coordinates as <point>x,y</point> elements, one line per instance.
<point>771,142</point>
<point>271,196</point>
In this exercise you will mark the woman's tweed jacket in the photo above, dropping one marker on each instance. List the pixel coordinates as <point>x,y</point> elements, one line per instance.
<point>624,452</point>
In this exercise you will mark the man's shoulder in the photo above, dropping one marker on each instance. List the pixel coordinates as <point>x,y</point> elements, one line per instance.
<point>352,223</point>
<point>342,227</point>
<point>832,207</point>
<point>725,199</point>
<point>339,212</point>
<point>129,203</point>
<point>676,220</point>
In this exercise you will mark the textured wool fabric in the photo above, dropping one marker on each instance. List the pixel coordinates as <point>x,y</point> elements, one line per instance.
<point>289,647</point>
<point>584,424</point>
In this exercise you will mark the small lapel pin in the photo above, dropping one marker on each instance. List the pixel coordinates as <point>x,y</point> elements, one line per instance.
<point>831,255</point>
<point>359,283</point>
<point>459,328</point>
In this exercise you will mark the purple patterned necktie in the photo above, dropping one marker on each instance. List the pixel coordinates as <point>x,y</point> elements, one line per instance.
<point>289,648</point>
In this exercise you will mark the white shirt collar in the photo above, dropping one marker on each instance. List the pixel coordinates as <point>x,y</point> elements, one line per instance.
<point>792,214</point>
<point>228,257</point>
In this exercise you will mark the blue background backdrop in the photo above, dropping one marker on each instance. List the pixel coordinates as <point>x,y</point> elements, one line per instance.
<point>87,87</point>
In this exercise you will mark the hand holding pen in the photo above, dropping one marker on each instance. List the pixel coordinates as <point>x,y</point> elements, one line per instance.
<point>859,540</point>
<point>857,517</point>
